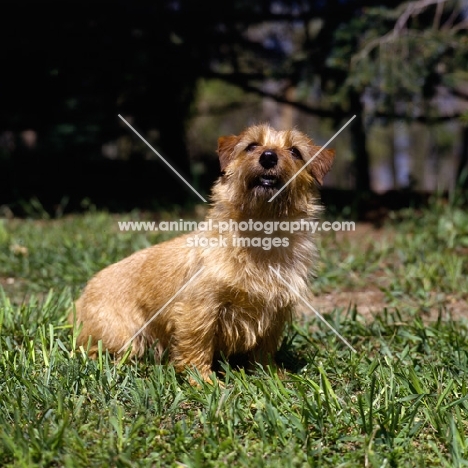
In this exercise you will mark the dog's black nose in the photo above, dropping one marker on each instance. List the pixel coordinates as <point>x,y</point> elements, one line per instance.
<point>268,159</point>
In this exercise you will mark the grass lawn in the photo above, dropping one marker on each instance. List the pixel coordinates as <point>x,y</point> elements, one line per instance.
<point>400,400</point>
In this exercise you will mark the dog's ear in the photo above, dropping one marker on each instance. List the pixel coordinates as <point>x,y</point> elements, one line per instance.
<point>226,145</point>
<point>321,163</point>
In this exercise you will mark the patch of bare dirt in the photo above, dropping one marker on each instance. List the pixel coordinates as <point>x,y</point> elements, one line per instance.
<point>370,302</point>
<point>367,302</point>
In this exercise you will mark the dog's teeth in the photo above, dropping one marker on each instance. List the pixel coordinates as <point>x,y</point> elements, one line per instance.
<point>269,182</point>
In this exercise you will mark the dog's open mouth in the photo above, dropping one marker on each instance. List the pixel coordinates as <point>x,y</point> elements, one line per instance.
<point>267,181</point>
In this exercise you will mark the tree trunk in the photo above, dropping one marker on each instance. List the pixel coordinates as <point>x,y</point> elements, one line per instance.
<point>462,171</point>
<point>359,146</point>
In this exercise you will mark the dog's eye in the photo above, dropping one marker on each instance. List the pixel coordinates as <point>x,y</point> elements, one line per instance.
<point>251,147</point>
<point>295,152</point>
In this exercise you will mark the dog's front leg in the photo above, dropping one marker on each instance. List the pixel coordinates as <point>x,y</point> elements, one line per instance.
<point>194,339</point>
<point>265,350</point>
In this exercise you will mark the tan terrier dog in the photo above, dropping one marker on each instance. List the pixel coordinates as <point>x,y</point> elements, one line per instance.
<point>205,300</point>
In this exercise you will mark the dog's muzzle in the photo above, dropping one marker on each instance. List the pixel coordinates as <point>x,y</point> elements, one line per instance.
<point>268,160</point>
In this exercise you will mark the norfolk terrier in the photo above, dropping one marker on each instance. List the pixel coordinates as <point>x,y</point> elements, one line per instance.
<point>202,303</point>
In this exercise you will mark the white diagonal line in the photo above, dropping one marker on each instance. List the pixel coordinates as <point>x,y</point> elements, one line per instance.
<point>313,310</point>
<point>162,159</point>
<point>312,158</point>
<point>160,310</point>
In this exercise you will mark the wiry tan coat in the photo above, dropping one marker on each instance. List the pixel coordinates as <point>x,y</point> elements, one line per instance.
<point>236,304</point>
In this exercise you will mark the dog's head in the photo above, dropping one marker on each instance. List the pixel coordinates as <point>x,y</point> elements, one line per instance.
<point>261,161</point>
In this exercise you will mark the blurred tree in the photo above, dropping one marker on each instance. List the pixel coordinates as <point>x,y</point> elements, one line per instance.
<point>411,62</point>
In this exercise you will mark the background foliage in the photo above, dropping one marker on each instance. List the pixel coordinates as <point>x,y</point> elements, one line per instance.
<point>71,68</point>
